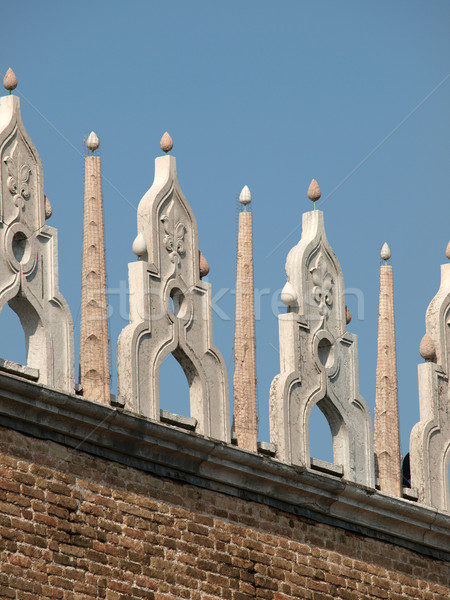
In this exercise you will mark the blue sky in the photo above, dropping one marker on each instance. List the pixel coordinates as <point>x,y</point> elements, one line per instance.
<point>354,94</point>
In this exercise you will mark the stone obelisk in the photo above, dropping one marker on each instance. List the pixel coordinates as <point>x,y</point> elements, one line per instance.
<point>94,347</point>
<point>244,381</point>
<point>387,439</point>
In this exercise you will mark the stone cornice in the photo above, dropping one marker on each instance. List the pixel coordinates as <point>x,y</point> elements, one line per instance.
<point>121,436</point>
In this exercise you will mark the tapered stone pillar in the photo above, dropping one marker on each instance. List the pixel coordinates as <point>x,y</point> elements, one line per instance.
<point>387,440</point>
<point>94,353</point>
<point>244,382</point>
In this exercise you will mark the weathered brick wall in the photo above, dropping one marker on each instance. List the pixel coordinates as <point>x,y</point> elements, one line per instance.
<point>76,527</point>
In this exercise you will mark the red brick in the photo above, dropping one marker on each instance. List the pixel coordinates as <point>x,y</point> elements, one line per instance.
<point>85,529</point>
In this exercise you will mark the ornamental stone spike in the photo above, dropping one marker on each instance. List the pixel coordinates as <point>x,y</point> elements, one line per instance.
<point>29,256</point>
<point>387,437</point>
<point>94,343</point>
<point>319,361</point>
<point>244,381</point>
<point>179,319</point>
<point>430,437</point>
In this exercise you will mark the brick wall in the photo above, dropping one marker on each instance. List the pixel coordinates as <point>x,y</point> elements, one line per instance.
<point>73,526</point>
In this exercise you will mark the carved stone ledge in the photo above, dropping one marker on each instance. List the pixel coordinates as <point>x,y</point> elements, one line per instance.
<point>325,467</point>
<point>11,367</point>
<point>118,435</point>
<point>188,423</point>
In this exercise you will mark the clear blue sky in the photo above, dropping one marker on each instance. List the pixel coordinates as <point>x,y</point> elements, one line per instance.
<point>354,94</point>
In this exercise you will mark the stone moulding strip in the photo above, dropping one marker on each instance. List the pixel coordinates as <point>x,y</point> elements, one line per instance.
<point>11,367</point>
<point>118,435</point>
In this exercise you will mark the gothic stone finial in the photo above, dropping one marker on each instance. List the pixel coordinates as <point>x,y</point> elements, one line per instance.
<point>314,191</point>
<point>348,315</point>
<point>204,266</point>
<point>385,251</point>
<point>166,143</point>
<point>288,294</point>
<point>427,348</point>
<point>48,208</point>
<point>10,80</point>
<point>92,142</point>
<point>139,245</point>
<point>447,251</point>
<point>245,197</point>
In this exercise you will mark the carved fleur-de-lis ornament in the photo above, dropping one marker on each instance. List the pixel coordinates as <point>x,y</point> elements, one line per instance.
<point>174,236</point>
<point>19,173</point>
<point>322,291</point>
